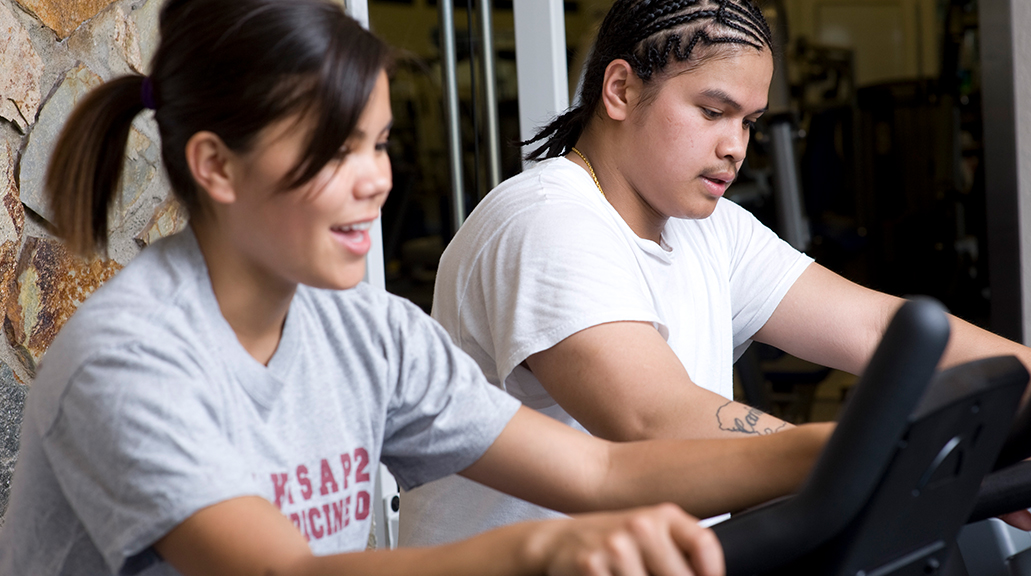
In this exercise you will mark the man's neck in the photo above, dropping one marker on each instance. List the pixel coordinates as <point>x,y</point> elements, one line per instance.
<point>603,155</point>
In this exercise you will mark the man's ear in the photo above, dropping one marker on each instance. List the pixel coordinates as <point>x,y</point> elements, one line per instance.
<point>209,160</point>
<point>620,89</point>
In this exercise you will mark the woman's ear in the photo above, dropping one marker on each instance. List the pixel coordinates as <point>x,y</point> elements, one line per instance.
<point>209,160</point>
<point>620,89</point>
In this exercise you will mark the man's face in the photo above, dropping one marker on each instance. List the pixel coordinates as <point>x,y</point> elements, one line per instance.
<point>689,138</point>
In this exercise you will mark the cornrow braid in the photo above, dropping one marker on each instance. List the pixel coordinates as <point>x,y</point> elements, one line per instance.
<point>647,33</point>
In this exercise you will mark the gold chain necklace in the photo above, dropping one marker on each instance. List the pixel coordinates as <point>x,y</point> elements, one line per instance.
<point>589,169</point>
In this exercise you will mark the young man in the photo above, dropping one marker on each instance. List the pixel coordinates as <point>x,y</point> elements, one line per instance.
<point>611,287</point>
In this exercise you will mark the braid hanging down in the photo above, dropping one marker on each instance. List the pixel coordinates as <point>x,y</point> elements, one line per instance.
<point>646,33</point>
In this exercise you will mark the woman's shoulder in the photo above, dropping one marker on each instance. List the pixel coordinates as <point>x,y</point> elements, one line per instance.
<point>158,298</point>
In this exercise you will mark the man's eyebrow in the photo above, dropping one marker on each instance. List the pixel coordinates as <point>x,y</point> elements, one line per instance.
<point>725,99</point>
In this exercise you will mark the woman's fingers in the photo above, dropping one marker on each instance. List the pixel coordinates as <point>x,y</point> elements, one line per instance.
<point>661,541</point>
<point>701,546</point>
<point>660,551</point>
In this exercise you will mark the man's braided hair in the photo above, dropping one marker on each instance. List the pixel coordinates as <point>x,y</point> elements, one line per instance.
<point>646,33</point>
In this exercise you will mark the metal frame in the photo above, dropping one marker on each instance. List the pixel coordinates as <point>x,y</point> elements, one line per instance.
<point>1006,253</point>
<point>385,517</point>
<point>540,31</point>
<point>374,271</point>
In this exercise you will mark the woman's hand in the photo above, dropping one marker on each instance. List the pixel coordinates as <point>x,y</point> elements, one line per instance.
<point>660,540</point>
<point>248,535</point>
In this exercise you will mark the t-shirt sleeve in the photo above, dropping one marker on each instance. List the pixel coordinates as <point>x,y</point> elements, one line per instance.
<point>133,464</point>
<point>763,267</point>
<point>555,269</point>
<point>444,414</point>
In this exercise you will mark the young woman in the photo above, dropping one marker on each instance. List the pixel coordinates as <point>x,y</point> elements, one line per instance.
<point>219,406</point>
<point>612,287</point>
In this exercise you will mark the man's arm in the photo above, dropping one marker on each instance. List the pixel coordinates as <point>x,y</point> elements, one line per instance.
<point>623,382</point>
<point>829,320</point>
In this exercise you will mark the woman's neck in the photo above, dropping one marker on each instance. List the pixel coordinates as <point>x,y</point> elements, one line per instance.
<point>253,302</point>
<point>644,220</point>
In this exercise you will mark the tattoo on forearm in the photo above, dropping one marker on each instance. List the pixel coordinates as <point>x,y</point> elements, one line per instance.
<point>734,417</point>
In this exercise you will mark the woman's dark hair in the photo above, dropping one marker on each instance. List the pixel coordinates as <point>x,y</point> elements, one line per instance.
<point>231,67</point>
<point>648,34</point>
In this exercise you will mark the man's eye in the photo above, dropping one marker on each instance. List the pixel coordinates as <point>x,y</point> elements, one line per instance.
<point>711,114</point>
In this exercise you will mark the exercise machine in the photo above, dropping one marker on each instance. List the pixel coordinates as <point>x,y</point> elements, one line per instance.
<point>903,470</point>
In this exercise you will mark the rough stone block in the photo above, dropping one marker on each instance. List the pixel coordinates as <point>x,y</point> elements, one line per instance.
<point>170,217</point>
<point>113,40</point>
<point>142,155</point>
<point>64,16</point>
<point>12,403</point>
<point>20,74</point>
<point>51,283</point>
<point>76,83</point>
<point>145,15</point>
<point>12,223</point>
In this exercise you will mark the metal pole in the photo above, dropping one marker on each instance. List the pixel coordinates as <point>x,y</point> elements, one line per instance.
<point>374,272</point>
<point>794,228</point>
<point>489,94</point>
<point>454,139</point>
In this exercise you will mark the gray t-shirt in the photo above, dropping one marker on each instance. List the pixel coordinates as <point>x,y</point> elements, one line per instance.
<point>147,409</point>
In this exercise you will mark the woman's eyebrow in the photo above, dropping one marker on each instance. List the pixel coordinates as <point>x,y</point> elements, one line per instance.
<point>359,133</point>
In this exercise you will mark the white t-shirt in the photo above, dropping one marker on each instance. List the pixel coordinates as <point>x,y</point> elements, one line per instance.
<point>545,256</point>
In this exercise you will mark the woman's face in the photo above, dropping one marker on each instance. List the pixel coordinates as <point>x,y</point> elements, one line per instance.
<point>317,234</point>
<point>688,140</point>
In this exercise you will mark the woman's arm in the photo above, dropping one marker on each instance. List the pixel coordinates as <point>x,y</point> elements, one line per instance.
<point>545,462</point>
<point>249,535</point>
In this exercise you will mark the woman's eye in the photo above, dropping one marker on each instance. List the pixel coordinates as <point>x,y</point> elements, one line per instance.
<point>342,153</point>
<point>382,146</point>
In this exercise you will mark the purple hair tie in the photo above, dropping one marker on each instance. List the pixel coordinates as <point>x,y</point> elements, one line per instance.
<point>147,94</point>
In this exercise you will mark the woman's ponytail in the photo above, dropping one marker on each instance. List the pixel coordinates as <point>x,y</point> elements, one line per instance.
<point>85,168</point>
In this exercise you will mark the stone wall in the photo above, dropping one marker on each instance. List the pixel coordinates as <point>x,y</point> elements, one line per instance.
<point>51,53</point>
